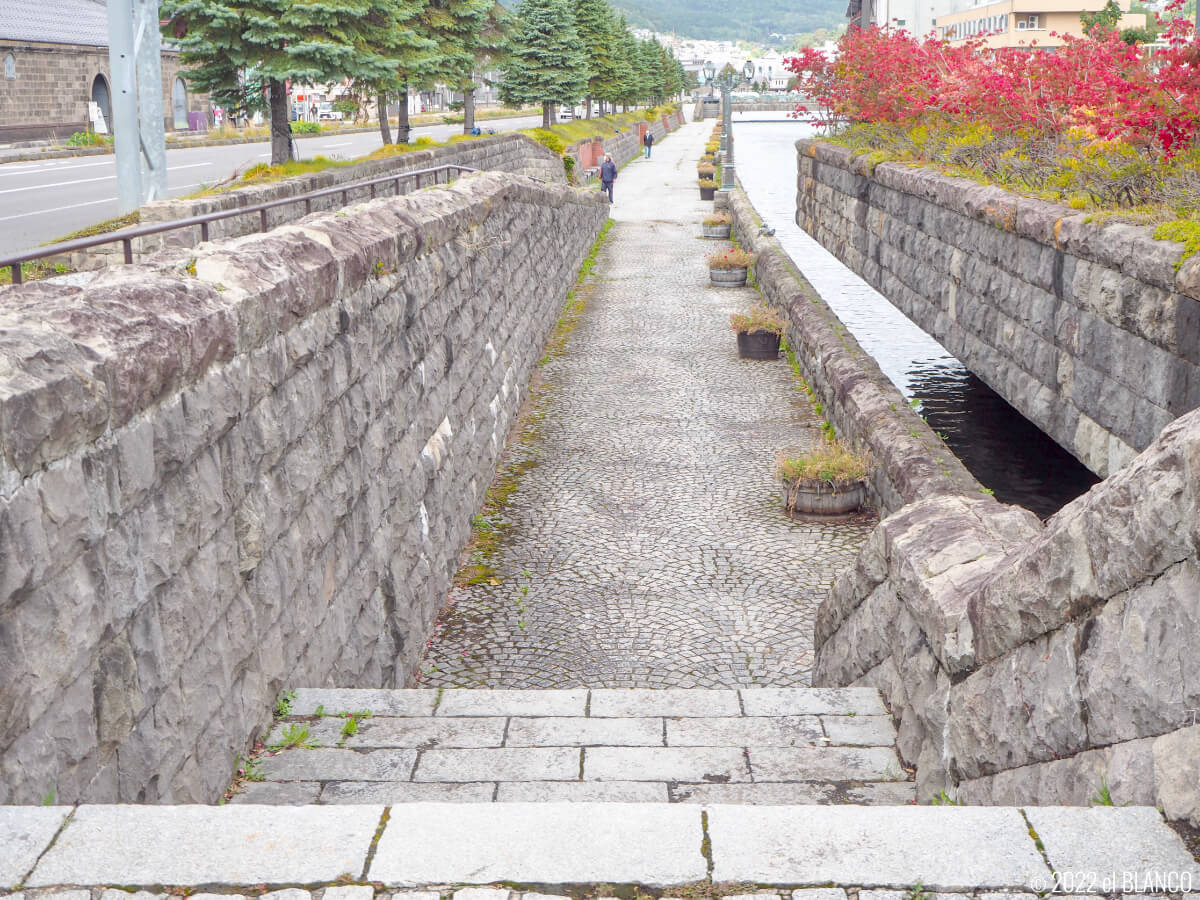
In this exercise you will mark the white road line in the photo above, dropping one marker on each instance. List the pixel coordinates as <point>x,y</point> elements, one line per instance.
<point>41,167</point>
<point>38,212</point>
<point>342,144</point>
<point>42,187</point>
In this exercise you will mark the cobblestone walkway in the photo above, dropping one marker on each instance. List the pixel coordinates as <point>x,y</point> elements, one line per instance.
<point>647,546</point>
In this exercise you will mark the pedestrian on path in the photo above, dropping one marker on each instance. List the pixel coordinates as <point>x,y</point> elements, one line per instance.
<point>648,142</point>
<point>608,174</point>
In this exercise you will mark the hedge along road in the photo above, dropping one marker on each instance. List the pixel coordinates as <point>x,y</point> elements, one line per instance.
<point>44,200</point>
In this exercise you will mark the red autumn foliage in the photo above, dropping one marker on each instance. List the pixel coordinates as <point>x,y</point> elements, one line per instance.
<point>1097,83</point>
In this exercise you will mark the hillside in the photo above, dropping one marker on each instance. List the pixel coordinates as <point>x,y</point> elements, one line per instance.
<point>751,20</point>
<point>729,20</point>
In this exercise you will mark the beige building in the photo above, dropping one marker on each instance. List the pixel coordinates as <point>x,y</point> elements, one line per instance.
<point>1013,23</point>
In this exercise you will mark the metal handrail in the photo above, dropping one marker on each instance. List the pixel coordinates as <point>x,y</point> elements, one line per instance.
<point>127,235</point>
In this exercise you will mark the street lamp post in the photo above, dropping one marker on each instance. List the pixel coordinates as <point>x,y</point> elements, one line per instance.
<point>729,80</point>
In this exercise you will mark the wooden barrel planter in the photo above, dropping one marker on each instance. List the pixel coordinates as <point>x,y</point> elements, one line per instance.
<point>727,277</point>
<point>823,499</point>
<point>716,232</point>
<point>758,344</point>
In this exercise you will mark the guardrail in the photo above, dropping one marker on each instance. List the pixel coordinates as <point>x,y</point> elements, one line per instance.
<point>126,236</point>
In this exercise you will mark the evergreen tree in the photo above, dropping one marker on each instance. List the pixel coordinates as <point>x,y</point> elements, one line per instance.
<point>594,22</point>
<point>615,90</point>
<point>492,46</point>
<point>547,64</point>
<point>632,86</point>
<point>280,40</point>
<point>458,27</point>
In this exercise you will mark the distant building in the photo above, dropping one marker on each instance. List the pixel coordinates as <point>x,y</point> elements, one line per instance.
<point>54,63</point>
<point>1012,23</point>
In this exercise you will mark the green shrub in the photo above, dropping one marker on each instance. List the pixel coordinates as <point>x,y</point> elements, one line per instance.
<point>549,140</point>
<point>306,127</point>
<point>87,139</point>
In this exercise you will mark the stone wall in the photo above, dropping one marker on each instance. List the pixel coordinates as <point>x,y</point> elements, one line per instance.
<point>1088,330</point>
<point>503,153</point>
<point>625,146</point>
<point>251,466</point>
<point>1030,664</point>
<point>856,397</point>
<point>49,95</point>
<point>1023,662</point>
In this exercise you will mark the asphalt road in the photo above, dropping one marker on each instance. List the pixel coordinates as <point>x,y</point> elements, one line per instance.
<point>44,200</point>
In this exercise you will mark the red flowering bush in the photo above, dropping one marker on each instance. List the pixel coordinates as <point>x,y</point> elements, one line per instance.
<point>1107,88</point>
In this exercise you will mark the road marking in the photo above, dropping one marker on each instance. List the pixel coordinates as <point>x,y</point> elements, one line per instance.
<point>42,167</point>
<point>342,144</point>
<point>38,212</point>
<point>42,187</point>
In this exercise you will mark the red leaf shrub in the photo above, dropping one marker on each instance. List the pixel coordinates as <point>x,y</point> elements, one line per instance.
<point>1098,84</point>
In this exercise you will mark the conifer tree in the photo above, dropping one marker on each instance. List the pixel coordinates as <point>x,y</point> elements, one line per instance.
<point>547,64</point>
<point>623,75</point>
<point>492,45</point>
<point>280,39</point>
<point>457,27</point>
<point>594,22</point>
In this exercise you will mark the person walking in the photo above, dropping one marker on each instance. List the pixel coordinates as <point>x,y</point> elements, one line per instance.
<point>608,174</point>
<point>648,142</point>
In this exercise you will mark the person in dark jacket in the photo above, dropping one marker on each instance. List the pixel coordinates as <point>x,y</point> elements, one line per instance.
<point>608,174</point>
<point>648,143</point>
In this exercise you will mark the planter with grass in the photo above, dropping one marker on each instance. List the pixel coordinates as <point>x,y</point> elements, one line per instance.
<point>708,173</point>
<point>708,188</point>
<point>828,481</point>
<point>729,267</point>
<point>717,226</point>
<point>758,332</point>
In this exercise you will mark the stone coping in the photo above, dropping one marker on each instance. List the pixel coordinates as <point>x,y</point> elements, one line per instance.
<point>912,461</point>
<point>1131,249</point>
<point>179,849</point>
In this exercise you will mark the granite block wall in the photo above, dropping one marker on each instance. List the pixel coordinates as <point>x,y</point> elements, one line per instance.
<point>1092,332</point>
<point>866,409</point>
<point>251,466</point>
<point>626,145</point>
<point>1030,663</point>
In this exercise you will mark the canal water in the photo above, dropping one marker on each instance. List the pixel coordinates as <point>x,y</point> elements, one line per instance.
<point>1000,447</point>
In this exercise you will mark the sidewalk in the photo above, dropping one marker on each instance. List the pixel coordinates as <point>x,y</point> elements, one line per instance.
<point>647,546</point>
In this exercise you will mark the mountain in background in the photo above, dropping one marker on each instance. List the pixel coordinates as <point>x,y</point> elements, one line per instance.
<point>730,20</point>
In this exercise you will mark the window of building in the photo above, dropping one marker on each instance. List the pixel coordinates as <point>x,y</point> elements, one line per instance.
<point>10,66</point>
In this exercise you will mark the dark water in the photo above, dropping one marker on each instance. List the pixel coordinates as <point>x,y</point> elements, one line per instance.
<point>999,446</point>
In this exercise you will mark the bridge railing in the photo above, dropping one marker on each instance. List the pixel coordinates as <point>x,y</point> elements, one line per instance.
<point>126,236</point>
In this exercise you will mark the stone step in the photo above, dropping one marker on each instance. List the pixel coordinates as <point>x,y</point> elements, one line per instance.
<point>754,746</point>
<point>360,852</point>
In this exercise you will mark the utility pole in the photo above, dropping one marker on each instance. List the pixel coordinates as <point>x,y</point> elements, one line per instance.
<point>139,138</point>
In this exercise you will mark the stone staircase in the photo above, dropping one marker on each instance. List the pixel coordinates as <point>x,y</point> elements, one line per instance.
<point>744,746</point>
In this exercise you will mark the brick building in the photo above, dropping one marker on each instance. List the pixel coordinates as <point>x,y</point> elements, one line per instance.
<point>54,61</point>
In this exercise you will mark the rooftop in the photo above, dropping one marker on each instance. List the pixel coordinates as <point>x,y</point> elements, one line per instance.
<point>59,22</point>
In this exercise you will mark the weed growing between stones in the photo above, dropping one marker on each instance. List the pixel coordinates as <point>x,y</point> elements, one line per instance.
<point>283,706</point>
<point>295,736</point>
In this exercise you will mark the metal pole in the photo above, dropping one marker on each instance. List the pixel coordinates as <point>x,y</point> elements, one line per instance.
<point>126,139</point>
<point>727,169</point>
<point>147,45</point>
